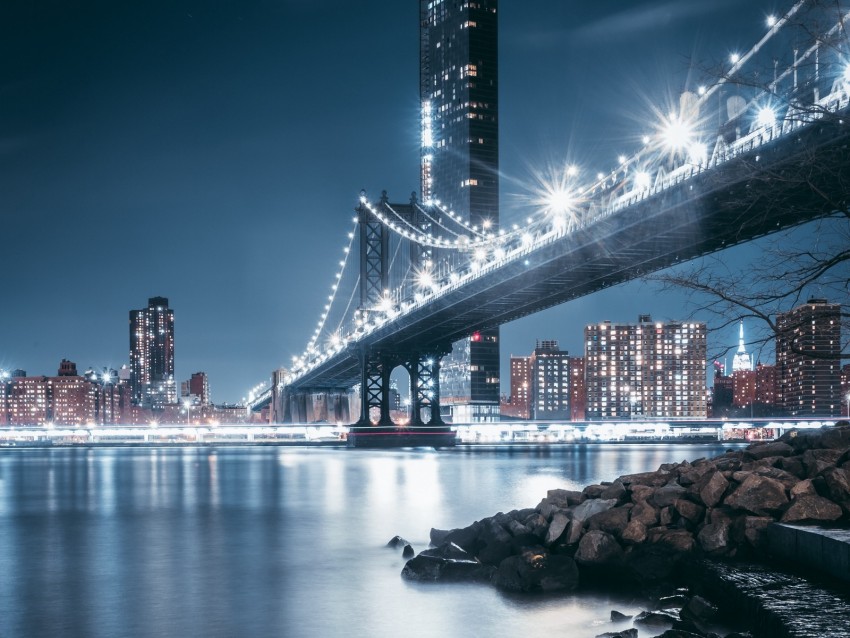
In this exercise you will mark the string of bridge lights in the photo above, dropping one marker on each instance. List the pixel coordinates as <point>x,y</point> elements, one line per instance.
<point>676,135</point>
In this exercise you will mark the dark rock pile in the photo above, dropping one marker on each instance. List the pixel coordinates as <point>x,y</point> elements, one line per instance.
<point>641,527</point>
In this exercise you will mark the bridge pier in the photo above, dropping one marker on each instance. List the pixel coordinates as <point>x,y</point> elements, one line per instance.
<point>424,371</point>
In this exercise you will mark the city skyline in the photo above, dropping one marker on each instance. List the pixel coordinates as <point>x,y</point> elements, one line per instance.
<point>181,143</point>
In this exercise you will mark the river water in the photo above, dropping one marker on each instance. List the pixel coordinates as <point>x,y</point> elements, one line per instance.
<point>274,541</point>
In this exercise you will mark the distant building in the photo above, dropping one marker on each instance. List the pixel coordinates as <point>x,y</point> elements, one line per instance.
<point>722,392</point>
<point>766,386</point>
<point>198,387</point>
<point>152,354</point>
<point>550,378</point>
<point>741,360</point>
<point>743,388</point>
<point>645,369</point>
<point>808,351</point>
<point>67,368</point>
<point>518,406</point>
<point>459,162</point>
<point>578,391</point>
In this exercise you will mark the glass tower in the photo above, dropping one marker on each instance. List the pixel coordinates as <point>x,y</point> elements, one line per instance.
<point>152,354</point>
<point>460,168</point>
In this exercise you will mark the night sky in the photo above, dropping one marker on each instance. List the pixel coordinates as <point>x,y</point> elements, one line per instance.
<point>212,152</point>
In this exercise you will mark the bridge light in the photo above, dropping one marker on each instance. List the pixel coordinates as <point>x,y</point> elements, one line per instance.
<point>480,254</point>
<point>621,159</point>
<point>735,58</point>
<point>642,181</point>
<point>766,117</point>
<point>847,74</point>
<point>697,153</point>
<point>572,170</point>
<point>771,21</point>
<point>499,254</point>
<point>676,133</point>
<point>645,139</point>
<point>701,90</point>
<point>527,239</point>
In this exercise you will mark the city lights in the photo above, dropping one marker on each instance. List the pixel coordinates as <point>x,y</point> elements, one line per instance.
<point>766,117</point>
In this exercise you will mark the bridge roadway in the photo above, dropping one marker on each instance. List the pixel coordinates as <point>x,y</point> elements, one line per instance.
<point>766,187</point>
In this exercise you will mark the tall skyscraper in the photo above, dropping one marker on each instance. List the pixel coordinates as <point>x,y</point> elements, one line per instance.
<point>152,354</point>
<point>645,370</point>
<point>578,392</point>
<point>550,377</point>
<point>741,360</point>
<point>808,350</point>
<point>458,79</point>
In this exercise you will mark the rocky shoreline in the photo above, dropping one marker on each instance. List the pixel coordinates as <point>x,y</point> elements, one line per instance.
<point>651,529</point>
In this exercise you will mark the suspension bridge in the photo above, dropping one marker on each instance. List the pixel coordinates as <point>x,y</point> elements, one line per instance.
<point>415,277</point>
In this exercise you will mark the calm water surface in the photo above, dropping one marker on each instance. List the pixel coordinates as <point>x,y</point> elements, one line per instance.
<point>265,541</point>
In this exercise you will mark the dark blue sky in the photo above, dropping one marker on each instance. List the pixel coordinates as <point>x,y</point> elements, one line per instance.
<point>212,152</point>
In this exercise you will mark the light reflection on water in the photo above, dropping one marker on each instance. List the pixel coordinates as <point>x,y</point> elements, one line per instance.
<point>268,541</point>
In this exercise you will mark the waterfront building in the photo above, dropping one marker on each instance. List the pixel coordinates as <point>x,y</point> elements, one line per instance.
<point>645,370</point>
<point>152,354</point>
<point>743,388</point>
<point>766,386</point>
<point>808,351</point>
<point>198,387</point>
<point>458,78</point>
<point>520,388</point>
<point>578,392</point>
<point>550,378</point>
<point>722,392</point>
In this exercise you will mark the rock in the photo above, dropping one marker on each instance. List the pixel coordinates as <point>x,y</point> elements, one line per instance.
<point>532,571</point>
<point>665,516</point>
<point>397,541</point>
<point>590,507</point>
<point>613,521</point>
<point>679,540</point>
<point>556,527</point>
<point>434,568</point>
<point>640,493</point>
<point>651,479</point>
<point>515,528</point>
<point>672,602</point>
<point>645,513</point>
<point>449,551</point>
<point>837,437</point>
<point>802,488</point>
<point>547,508</point>
<point>793,465</point>
<point>758,494</point>
<point>438,535</point>
<point>812,508</point>
<point>654,619</point>
<point>774,448</point>
<point>649,564</point>
<point>667,495</point>
<point>593,491</point>
<point>838,487</point>
<point>755,528</point>
<point>625,633</point>
<point>617,616</point>
<point>525,541</point>
<point>692,512</point>
<point>407,552</point>
<point>714,489</point>
<point>598,548</point>
<point>537,524</point>
<point>679,633</point>
<point>634,534</point>
<point>816,461</point>
<point>565,498</point>
<point>714,538</point>
<point>699,609</point>
<point>787,479</point>
<point>615,491</point>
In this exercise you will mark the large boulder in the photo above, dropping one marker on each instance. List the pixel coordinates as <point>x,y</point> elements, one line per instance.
<point>435,568</point>
<point>651,479</point>
<point>557,527</point>
<point>655,619</point>
<point>634,534</point>
<point>837,483</point>
<point>678,540</point>
<point>536,571</point>
<point>616,491</point>
<point>565,498</point>
<point>714,538</point>
<point>646,513</point>
<point>714,488</point>
<point>774,448</point>
<point>755,529</point>
<point>816,461</point>
<point>613,521</point>
<point>691,512</point>
<point>590,507</point>
<point>760,495</point>
<point>667,495</point>
<point>598,548</point>
<point>837,438</point>
<point>802,488</point>
<point>623,633</point>
<point>811,508</point>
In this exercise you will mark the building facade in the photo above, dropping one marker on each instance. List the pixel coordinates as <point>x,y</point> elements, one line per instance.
<point>152,354</point>
<point>550,377</point>
<point>808,351</point>
<point>645,370</point>
<point>519,405</point>
<point>458,78</point>
<point>578,391</point>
